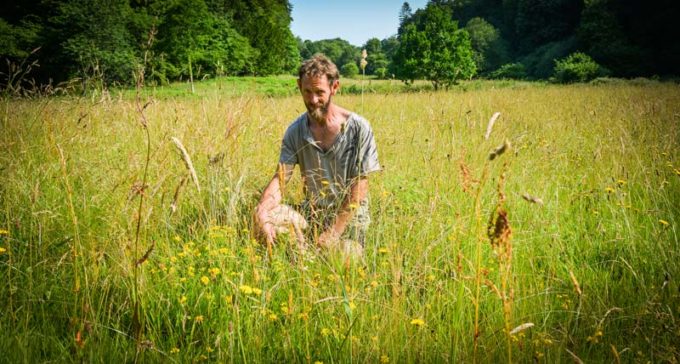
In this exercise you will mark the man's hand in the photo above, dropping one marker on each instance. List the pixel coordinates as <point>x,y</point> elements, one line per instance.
<point>266,227</point>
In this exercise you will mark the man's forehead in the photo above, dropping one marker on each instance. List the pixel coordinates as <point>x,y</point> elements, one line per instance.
<point>318,80</point>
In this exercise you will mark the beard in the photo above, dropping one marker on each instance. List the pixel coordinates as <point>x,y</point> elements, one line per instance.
<point>318,112</point>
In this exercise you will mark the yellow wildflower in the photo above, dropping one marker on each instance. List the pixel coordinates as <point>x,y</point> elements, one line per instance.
<point>183,300</point>
<point>384,359</point>
<point>621,182</point>
<point>418,322</point>
<point>257,291</point>
<point>246,289</point>
<point>174,350</point>
<point>663,222</point>
<point>214,272</point>
<point>609,189</point>
<point>2,250</point>
<point>273,317</point>
<point>595,338</point>
<point>318,362</point>
<point>209,349</point>
<point>176,238</point>
<point>173,259</point>
<point>198,319</point>
<point>325,332</point>
<point>205,280</point>
<point>4,232</point>
<point>383,250</point>
<point>228,299</point>
<point>374,284</point>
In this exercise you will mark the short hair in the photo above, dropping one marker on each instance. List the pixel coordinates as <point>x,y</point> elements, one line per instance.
<point>317,66</point>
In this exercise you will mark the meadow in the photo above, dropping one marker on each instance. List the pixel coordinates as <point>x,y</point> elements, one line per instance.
<point>562,248</point>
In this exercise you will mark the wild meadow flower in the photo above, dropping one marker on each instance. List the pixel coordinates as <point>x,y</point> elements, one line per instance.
<point>174,350</point>
<point>183,300</point>
<point>199,319</point>
<point>663,222</point>
<point>609,189</point>
<point>383,250</point>
<point>325,331</point>
<point>418,322</point>
<point>214,272</point>
<point>4,232</point>
<point>205,280</point>
<point>2,250</point>
<point>384,359</point>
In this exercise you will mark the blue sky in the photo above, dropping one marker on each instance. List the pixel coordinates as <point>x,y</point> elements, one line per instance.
<point>353,20</point>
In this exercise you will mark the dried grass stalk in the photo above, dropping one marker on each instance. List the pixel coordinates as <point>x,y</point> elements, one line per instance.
<point>577,287</point>
<point>187,161</point>
<point>489,126</point>
<point>532,199</point>
<point>499,150</point>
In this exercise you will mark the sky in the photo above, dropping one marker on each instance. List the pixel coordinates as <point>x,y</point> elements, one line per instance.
<point>355,21</point>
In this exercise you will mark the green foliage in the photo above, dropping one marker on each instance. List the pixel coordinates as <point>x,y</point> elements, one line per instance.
<point>97,40</point>
<point>432,47</point>
<point>489,49</point>
<point>338,50</point>
<point>577,67</point>
<point>540,63</point>
<point>16,42</point>
<point>515,71</point>
<point>192,36</point>
<point>349,69</point>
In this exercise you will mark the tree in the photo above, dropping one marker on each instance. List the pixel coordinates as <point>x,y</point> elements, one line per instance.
<point>490,51</point>
<point>193,40</point>
<point>95,39</point>
<point>433,48</point>
<point>577,67</point>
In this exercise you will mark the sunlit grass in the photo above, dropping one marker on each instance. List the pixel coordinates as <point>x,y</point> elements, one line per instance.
<point>594,268</point>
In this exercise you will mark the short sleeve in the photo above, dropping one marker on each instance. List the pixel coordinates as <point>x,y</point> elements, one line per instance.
<point>368,151</point>
<point>288,151</point>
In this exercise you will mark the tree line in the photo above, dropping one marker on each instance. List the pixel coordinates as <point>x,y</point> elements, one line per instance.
<point>108,41</point>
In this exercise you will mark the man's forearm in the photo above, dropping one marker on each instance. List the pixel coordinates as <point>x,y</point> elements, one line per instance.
<point>358,192</point>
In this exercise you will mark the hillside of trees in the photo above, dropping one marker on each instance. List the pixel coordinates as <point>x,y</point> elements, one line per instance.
<point>106,42</point>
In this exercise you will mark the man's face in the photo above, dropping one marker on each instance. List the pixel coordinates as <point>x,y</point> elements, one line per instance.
<point>317,93</point>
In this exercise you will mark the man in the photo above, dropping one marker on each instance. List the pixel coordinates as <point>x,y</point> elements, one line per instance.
<point>336,152</point>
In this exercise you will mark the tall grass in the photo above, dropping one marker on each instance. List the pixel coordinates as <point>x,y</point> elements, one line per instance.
<point>603,160</point>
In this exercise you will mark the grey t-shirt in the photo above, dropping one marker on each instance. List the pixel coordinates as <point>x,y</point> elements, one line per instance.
<point>328,175</point>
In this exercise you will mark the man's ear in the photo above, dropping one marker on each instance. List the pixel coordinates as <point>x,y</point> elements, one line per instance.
<point>335,87</point>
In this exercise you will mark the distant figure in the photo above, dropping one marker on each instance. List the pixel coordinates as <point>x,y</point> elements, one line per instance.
<point>336,152</point>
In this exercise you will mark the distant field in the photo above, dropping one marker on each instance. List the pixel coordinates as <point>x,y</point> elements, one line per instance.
<point>589,272</point>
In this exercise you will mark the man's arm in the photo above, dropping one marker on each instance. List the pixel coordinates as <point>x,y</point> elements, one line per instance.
<point>271,197</point>
<point>357,192</point>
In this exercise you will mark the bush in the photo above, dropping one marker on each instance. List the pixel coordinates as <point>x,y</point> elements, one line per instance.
<point>515,71</point>
<point>349,69</point>
<point>577,67</point>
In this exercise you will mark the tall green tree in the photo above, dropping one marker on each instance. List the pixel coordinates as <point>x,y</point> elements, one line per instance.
<point>95,42</point>
<point>191,38</point>
<point>432,47</point>
<point>266,24</point>
<point>490,50</point>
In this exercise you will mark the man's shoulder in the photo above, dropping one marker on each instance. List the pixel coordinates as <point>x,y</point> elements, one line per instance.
<point>357,121</point>
<point>295,128</point>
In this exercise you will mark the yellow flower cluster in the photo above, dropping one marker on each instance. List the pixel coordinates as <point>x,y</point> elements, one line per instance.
<point>248,290</point>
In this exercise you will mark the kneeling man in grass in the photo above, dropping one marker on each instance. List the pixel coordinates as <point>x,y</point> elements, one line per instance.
<point>336,152</point>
